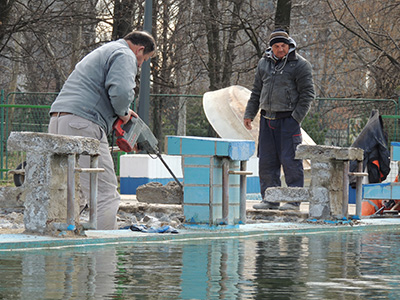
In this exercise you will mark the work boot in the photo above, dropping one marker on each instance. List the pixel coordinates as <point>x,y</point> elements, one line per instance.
<point>266,205</point>
<point>289,206</point>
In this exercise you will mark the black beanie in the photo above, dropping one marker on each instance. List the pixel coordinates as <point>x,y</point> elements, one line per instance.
<point>279,36</point>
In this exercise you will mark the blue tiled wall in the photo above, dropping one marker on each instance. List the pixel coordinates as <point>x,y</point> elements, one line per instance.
<point>202,171</point>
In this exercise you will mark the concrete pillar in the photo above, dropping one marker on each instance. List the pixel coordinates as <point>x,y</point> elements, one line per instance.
<point>213,175</point>
<point>328,191</point>
<point>46,175</point>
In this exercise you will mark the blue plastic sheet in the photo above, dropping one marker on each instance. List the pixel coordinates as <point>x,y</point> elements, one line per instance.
<point>145,229</point>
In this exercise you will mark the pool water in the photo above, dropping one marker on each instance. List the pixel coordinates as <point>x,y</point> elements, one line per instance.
<point>352,265</point>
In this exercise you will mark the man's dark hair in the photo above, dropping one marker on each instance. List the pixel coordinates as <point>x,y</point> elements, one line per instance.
<point>142,38</point>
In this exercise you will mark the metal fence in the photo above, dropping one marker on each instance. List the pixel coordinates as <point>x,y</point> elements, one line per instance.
<point>338,121</point>
<point>331,121</point>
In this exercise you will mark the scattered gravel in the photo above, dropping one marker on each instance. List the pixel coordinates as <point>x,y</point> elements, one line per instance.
<point>12,221</point>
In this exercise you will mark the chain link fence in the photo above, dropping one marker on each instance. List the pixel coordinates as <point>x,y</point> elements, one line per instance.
<point>331,121</point>
<point>338,121</point>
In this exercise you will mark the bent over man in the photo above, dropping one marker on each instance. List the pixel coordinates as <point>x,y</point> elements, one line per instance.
<point>98,92</point>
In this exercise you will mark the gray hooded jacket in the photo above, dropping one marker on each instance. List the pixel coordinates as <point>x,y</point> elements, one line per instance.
<point>282,86</point>
<point>101,87</point>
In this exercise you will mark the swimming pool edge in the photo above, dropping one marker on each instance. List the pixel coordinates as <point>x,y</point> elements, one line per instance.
<point>22,241</point>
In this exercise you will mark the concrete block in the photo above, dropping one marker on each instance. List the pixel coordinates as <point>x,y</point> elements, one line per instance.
<point>234,149</point>
<point>323,153</point>
<point>319,212</point>
<point>45,143</point>
<point>336,203</point>
<point>173,146</point>
<point>321,173</point>
<point>155,192</point>
<point>319,195</point>
<point>320,203</point>
<point>197,146</point>
<point>203,168</point>
<point>46,175</point>
<point>196,160</point>
<point>287,194</point>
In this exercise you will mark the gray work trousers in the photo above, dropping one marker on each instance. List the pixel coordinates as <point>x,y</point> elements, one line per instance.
<point>108,197</point>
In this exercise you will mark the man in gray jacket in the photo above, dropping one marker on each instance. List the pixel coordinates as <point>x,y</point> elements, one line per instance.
<point>98,92</point>
<point>283,90</point>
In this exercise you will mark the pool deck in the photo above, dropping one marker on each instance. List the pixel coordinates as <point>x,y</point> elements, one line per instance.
<point>24,242</point>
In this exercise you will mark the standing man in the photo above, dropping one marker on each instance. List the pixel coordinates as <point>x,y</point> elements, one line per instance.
<point>283,89</point>
<point>98,92</point>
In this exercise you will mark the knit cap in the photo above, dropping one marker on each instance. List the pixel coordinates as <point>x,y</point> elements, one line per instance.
<point>279,36</point>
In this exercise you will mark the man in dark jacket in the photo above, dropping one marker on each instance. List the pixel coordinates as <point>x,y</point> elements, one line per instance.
<point>283,89</point>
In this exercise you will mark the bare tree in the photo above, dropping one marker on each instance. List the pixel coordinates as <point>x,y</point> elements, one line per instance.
<point>128,14</point>
<point>282,14</point>
<point>222,23</point>
<point>42,34</point>
<point>373,40</point>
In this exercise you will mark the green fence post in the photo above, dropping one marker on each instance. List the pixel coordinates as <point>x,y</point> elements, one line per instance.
<point>2,134</point>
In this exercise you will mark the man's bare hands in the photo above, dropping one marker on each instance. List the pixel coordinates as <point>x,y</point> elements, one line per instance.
<point>126,118</point>
<point>247,124</point>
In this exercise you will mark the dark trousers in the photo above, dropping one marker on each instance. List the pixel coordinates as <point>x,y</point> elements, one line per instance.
<point>277,144</point>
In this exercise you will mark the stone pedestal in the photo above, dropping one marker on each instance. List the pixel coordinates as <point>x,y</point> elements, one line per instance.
<point>46,175</point>
<point>214,178</point>
<point>328,191</point>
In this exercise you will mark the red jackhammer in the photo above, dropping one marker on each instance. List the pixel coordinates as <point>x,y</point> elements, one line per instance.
<point>137,132</point>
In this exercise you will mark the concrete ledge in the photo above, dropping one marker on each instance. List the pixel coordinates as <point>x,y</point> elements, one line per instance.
<point>24,242</point>
<point>287,194</point>
<point>189,145</point>
<point>326,153</point>
<point>38,142</point>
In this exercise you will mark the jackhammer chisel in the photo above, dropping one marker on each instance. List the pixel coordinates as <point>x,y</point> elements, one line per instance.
<point>386,205</point>
<point>137,132</point>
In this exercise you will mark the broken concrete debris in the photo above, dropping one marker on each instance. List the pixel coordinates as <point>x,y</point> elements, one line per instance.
<point>155,192</point>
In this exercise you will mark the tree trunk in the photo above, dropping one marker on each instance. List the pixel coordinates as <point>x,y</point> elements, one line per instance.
<point>282,14</point>
<point>181,130</point>
<point>123,18</point>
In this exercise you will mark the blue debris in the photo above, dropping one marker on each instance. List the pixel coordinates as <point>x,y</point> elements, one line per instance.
<point>145,229</point>
<point>312,220</point>
<point>339,221</point>
<point>330,222</point>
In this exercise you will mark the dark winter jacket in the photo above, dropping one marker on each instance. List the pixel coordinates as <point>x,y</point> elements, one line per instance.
<point>373,141</point>
<point>282,86</point>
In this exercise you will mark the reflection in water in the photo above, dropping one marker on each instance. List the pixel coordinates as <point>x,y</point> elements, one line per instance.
<point>313,266</point>
<point>57,274</point>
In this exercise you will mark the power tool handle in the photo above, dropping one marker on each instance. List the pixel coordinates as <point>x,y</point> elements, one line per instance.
<point>118,127</point>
